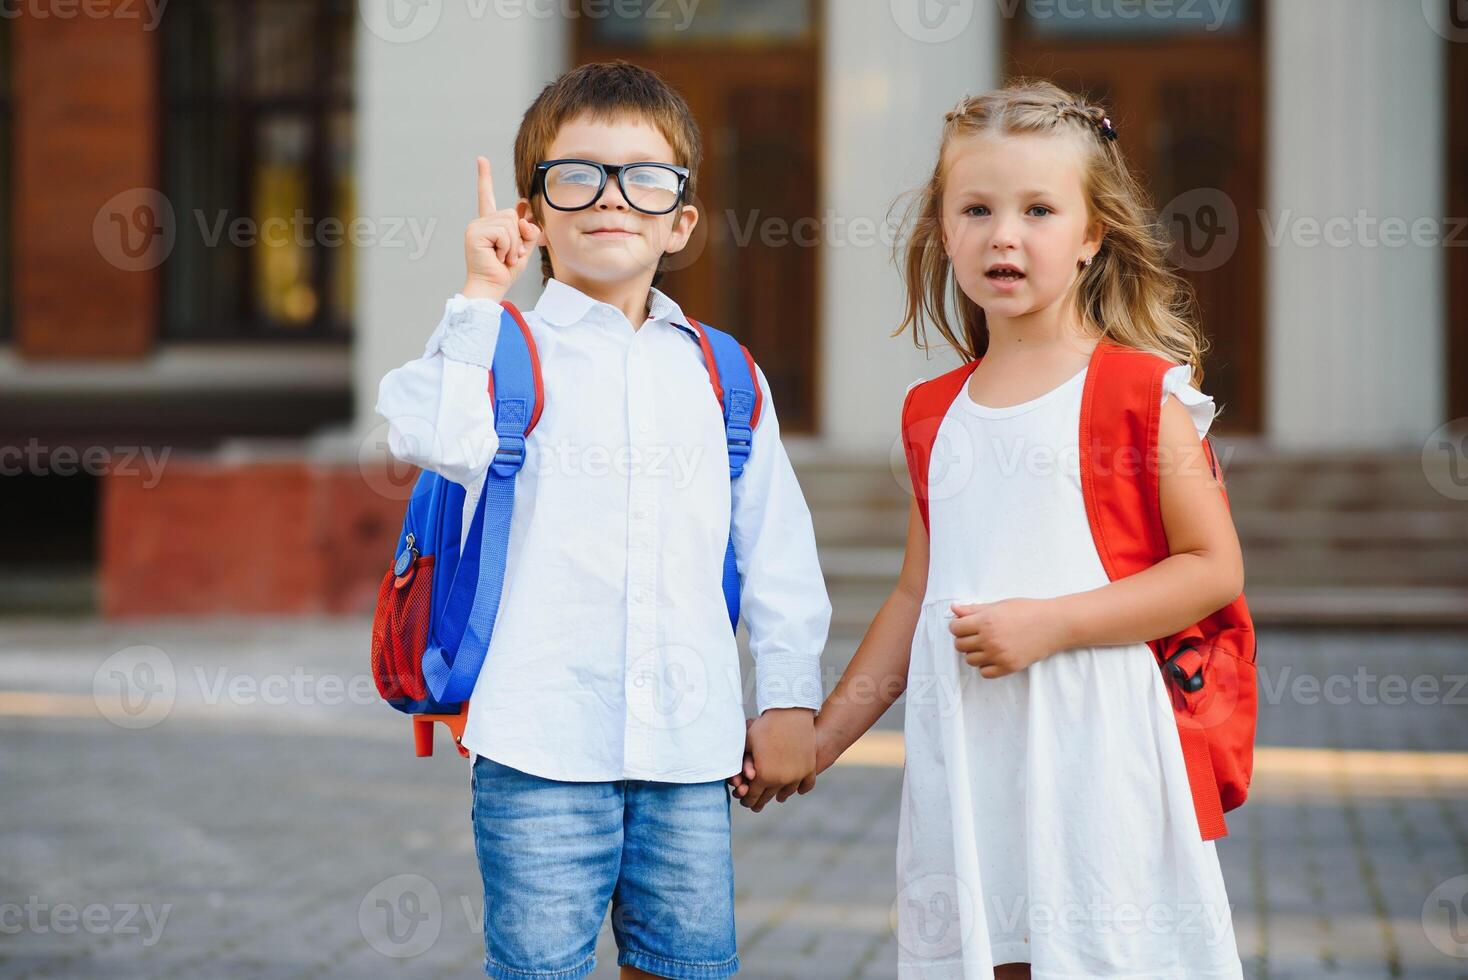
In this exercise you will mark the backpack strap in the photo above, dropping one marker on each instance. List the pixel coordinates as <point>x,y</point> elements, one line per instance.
<point>732,375</point>
<point>456,653</point>
<point>1121,415</point>
<point>922,415</point>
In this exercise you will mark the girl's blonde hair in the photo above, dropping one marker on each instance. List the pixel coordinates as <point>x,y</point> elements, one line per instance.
<point>1128,293</point>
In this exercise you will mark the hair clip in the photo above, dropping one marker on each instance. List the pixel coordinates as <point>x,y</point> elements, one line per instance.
<point>1107,130</point>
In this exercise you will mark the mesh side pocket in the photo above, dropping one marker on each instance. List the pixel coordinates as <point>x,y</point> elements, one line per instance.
<point>381,616</point>
<point>400,632</point>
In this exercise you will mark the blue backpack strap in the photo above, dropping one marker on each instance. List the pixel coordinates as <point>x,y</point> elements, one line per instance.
<point>733,377</point>
<point>452,662</point>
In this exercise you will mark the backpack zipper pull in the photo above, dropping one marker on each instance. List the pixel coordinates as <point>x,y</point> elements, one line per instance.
<point>405,560</point>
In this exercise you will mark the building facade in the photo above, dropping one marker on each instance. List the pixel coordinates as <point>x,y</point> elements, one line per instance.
<point>226,220</point>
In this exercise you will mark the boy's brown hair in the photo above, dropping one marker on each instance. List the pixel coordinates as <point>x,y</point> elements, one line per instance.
<point>607,91</point>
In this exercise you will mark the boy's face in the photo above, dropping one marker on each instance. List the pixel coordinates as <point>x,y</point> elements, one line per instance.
<point>610,242</point>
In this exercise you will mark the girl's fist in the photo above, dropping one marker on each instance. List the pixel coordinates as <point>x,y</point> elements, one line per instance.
<point>1007,636</point>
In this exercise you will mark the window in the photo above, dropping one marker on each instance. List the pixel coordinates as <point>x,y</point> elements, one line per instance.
<point>726,22</point>
<point>256,161</point>
<point>1098,20</point>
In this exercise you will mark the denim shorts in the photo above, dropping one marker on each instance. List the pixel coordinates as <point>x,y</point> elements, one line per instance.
<point>553,854</point>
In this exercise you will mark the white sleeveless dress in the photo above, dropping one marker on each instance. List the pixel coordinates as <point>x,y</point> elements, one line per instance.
<point>1046,816</point>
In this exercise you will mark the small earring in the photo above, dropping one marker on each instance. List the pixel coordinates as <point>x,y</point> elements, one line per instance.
<point>1087,263</point>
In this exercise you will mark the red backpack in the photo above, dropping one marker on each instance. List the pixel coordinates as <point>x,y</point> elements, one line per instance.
<point>1209,667</point>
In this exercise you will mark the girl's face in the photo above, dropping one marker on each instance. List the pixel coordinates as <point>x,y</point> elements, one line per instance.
<point>1015,220</point>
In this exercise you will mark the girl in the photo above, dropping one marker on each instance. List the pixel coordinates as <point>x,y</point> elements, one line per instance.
<point>1046,816</point>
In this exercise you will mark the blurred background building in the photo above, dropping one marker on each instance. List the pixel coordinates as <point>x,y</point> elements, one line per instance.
<point>224,220</point>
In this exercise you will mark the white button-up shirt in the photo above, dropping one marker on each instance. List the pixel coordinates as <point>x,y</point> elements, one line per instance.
<point>612,657</point>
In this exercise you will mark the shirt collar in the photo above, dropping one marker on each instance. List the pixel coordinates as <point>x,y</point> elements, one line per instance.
<point>564,305</point>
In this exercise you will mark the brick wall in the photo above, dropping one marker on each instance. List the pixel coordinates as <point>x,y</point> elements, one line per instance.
<point>85,131</point>
<point>275,537</point>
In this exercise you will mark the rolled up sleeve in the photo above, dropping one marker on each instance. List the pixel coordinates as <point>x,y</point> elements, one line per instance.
<point>439,413</point>
<point>783,598</point>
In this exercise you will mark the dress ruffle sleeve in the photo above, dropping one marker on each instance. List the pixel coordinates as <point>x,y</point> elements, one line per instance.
<point>1177,382</point>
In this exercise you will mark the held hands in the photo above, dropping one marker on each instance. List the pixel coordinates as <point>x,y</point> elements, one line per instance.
<point>497,244</point>
<point>1007,636</point>
<point>779,757</point>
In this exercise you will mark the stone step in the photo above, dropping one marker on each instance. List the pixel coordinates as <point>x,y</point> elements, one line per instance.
<point>62,590</point>
<point>1390,477</point>
<point>869,525</point>
<point>854,604</point>
<point>1327,537</point>
<point>1443,564</point>
<point>1254,480</point>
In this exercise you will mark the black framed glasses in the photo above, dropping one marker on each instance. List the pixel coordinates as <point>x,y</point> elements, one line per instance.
<point>574,185</point>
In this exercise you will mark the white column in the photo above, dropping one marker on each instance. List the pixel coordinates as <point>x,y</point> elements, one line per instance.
<point>438,81</point>
<point>1355,319</point>
<point>891,70</point>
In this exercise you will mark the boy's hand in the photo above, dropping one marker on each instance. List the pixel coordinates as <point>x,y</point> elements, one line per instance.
<point>780,755</point>
<point>1007,636</point>
<point>827,754</point>
<point>497,244</point>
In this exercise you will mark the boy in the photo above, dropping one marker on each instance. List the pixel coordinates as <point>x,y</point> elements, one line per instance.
<point>609,711</point>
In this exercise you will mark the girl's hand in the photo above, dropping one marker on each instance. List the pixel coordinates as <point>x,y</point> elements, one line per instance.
<point>826,755</point>
<point>739,782</point>
<point>497,244</point>
<point>1007,636</point>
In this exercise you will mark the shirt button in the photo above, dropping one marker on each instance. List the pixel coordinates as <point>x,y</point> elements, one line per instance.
<point>639,513</point>
<point>644,426</point>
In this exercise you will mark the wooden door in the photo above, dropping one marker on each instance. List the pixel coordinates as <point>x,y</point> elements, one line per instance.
<point>750,71</point>
<point>1457,179</point>
<point>1186,97</point>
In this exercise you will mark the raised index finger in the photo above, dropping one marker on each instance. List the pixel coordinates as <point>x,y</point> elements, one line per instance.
<point>486,189</point>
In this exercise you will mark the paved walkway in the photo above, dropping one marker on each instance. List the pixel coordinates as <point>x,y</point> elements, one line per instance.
<point>259,828</point>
